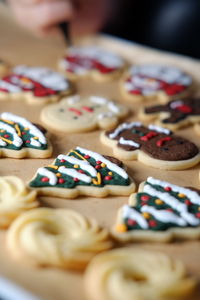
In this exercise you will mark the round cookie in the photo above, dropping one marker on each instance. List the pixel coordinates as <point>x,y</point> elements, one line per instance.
<point>15,198</point>
<point>34,84</point>
<point>56,237</point>
<point>151,82</point>
<point>175,114</point>
<point>76,114</point>
<point>20,138</point>
<point>137,274</point>
<point>160,212</point>
<point>152,145</point>
<point>92,61</point>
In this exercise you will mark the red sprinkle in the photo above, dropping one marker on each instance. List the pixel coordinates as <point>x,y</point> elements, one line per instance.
<point>61,180</point>
<point>98,162</point>
<point>169,209</point>
<point>76,111</point>
<point>6,135</point>
<point>28,141</point>
<point>108,177</point>
<point>145,198</point>
<point>87,108</point>
<point>168,189</point>
<point>152,223</point>
<point>81,171</point>
<point>184,109</point>
<point>98,167</point>
<point>187,202</point>
<point>148,136</point>
<point>198,215</point>
<point>23,132</point>
<point>45,179</point>
<point>131,222</point>
<point>86,156</point>
<point>76,179</point>
<point>62,160</point>
<point>160,142</point>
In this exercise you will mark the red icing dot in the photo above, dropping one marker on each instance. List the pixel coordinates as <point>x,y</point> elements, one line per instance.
<point>184,109</point>
<point>143,203</point>
<point>169,209</point>
<point>81,171</point>
<point>6,135</point>
<point>98,162</point>
<point>187,202</point>
<point>198,215</point>
<point>108,177</point>
<point>62,160</point>
<point>152,223</point>
<point>98,167</point>
<point>61,180</point>
<point>23,132</point>
<point>76,179</point>
<point>131,222</point>
<point>86,156</point>
<point>168,189</point>
<point>145,198</point>
<point>28,141</point>
<point>135,92</point>
<point>45,179</point>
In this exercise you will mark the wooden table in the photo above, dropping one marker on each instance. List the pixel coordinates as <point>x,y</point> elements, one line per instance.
<point>19,47</point>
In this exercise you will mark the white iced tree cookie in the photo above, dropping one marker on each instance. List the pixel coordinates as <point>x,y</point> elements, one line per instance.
<point>15,198</point>
<point>99,64</point>
<point>34,84</point>
<point>81,114</point>
<point>136,274</point>
<point>148,82</point>
<point>56,237</point>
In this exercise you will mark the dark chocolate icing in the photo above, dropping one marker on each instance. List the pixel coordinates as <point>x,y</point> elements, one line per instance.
<point>161,146</point>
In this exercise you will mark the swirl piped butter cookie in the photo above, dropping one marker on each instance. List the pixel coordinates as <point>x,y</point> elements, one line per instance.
<point>175,114</point>
<point>161,212</point>
<point>15,198</point>
<point>147,82</point>
<point>56,237</point>
<point>76,114</point>
<point>34,84</point>
<point>154,146</point>
<point>20,138</point>
<point>136,274</point>
<point>83,172</point>
<point>91,61</point>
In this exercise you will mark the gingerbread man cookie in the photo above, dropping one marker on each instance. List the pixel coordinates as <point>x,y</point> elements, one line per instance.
<point>152,145</point>
<point>136,274</point>
<point>76,114</point>
<point>34,84</point>
<point>20,138</point>
<point>175,114</point>
<point>147,82</point>
<point>160,211</point>
<point>15,198</point>
<point>83,172</point>
<point>56,237</point>
<point>95,62</point>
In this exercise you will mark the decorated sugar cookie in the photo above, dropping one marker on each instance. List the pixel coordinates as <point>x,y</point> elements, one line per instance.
<point>83,172</point>
<point>160,211</point>
<point>137,274</point>
<point>56,237</point>
<point>4,67</point>
<point>154,146</point>
<point>20,138</point>
<point>174,114</point>
<point>15,198</point>
<point>35,84</point>
<point>91,61</point>
<point>76,114</point>
<point>146,82</point>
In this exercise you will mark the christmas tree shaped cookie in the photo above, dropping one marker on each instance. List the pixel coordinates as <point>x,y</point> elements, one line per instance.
<point>160,211</point>
<point>174,114</point>
<point>147,82</point>
<point>83,172</point>
<point>20,138</point>
<point>34,84</point>
<point>153,145</point>
<point>91,61</point>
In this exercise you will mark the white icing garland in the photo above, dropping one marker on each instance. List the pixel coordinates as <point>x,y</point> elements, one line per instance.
<point>102,116</point>
<point>73,99</point>
<point>85,165</point>
<point>133,214</point>
<point>159,129</point>
<point>123,127</point>
<point>74,173</point>
<point>113,167</point>
<point>47,173</point>
<point>98,100</point>
<point>123,141</point>
<point>17,141</point>
<point>9,86</point>
<point>176,103</point>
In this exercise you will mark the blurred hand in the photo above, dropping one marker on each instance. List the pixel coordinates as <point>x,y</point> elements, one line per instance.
<point>42,16</point>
